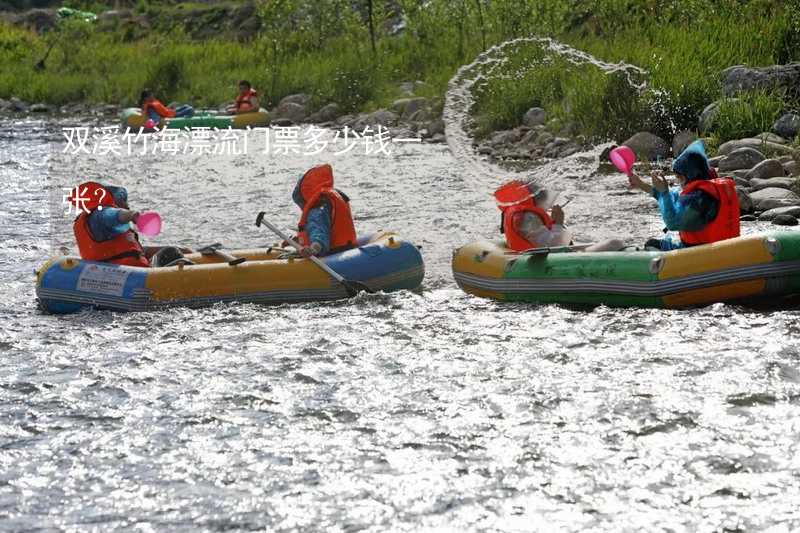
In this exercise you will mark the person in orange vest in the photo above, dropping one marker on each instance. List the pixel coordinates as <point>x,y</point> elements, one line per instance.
<point>326,223</point>
<point>246,101</point>
<point>704,209</point>
<point>154,110</point>
<point>526,223</point>
<point>103,229</point>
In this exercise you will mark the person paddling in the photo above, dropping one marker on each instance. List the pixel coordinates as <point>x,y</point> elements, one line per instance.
<point>154,110</point>
<point>703,209</point>
<point>526,223</point>
<point>103,229</point>
<point>326,223</point>
<point>246,101</point>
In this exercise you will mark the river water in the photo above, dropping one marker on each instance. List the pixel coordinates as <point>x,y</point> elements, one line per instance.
<point>430,411</point>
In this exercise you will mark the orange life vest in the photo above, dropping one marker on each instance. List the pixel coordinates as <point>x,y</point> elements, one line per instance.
<point>315,185</point>
<point>726,224</point>
<point>243,99</point>
<point>514,198</point>
<point>124,249</point>
<point>159,108</point>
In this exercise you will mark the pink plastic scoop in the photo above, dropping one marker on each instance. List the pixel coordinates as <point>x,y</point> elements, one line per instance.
<point>149,223</point>
<point>623,158</point>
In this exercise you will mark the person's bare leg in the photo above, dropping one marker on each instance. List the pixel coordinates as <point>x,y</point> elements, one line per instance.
<point>611,245</point>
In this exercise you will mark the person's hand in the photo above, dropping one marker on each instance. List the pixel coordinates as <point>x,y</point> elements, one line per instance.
<point>558,214</point>
<point>314,249</point>
<point>635,182</point>
<point>660,183</point>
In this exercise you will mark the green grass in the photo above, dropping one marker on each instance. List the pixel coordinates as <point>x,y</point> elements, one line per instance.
<point>322,48</point>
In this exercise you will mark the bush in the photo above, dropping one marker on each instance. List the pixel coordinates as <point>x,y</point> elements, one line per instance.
<point>747,115</point>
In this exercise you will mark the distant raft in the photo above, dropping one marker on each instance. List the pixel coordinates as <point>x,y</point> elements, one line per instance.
<point>383,262</point>
<point>755,269</point>
<point>132,118</point>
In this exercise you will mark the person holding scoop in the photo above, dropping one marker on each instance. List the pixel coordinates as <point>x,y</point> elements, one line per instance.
<point>703,209</point>
<point>526,223</point>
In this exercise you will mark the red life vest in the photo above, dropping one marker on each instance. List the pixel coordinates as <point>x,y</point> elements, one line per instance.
<point>726,224</point>
<point>315,185</point>
<point>124,249</point>
<point>246,99</point>
<point>514,198</point>
<point>162,110</point>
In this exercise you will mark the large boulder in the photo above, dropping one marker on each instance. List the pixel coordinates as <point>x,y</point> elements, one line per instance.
<point>740,78</point>
<point>769,168</point>
<point>405,107</point>
<point>792,168</point>
<point>741,158</point>
<point>745,202</point>
<point>299,99</point>
<point>38,20</point>
<point>327,113</point>
<point>771,138</point>
<point>785,220</point>
<point>788,126</point>
<point>290,111</point>
<point>773,197</point>
<point>505,137</point>
<point>649,146</point>
<point>782,183</point>
<point>792,210</point>
<point>765,147</point>
<point>681,140</point>
<point>381,117</point>
<point>535,116</point>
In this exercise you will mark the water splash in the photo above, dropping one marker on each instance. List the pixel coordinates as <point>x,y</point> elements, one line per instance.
<point>481,173</point>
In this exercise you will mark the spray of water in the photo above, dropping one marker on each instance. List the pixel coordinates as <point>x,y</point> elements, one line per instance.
<point>479,171</point>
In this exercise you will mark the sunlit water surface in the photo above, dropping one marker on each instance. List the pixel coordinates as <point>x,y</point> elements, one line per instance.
<point>403,412</point>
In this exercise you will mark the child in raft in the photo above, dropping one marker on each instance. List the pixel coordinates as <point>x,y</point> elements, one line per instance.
<point>246,101</point>
<point>154,110</point>
<point>704,209</point>
<point>526,223</point>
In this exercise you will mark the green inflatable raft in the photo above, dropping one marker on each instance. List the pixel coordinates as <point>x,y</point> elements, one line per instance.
<point>757,269</point>
<point>132,118</point>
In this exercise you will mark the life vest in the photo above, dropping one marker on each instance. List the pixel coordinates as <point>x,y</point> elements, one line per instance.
<point>246,99</point>
<point>315,185</point>
<point>162,110</point>
<point>726,224</point>
<point>515,198</point>
<point>123,249</point>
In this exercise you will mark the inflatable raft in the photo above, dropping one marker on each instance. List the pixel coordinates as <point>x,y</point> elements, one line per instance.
<point>132,118</point>
<point>752,270</point>
<point>383,262</point>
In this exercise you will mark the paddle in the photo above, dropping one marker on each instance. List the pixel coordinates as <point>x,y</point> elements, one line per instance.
<point>352,287</point>
<point>545,250</point>
<point>214,249</point>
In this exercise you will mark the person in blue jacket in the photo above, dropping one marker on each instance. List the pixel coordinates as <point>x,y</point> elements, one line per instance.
<point>704,209</point>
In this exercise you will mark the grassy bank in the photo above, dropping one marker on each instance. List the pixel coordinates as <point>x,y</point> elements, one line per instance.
<point>325,49</point>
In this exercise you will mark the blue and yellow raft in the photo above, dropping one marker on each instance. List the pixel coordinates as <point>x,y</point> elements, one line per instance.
<point>383,262</point>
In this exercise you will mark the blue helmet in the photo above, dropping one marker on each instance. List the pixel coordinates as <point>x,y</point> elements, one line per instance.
<point>120,194</point>
<point>693,162</point>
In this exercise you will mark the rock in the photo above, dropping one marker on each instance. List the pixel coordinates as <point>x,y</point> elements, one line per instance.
<point>768,148</point>
<point>438,138</point>
<point>771,138</point>
<point>499,138</point>
<point>772,213</point>
<point>647,145</point>
<point>740,78</point>
<point>435,127</point>
<point>281,122</point>
<point>792,168</point>
<point>381,117</point>
<point>782,183</point>
<point>788,126</point>
<point>709,114</point>
<point>745,201</point>
<point>38,20</point>
<point>421,115</point>
<point>327,113</point>
<point>290,111</point>
<point>681,140</point>
<point>748,218</point>
<point>741,182</point>
<point>405,107</point>
<point>714,161</point>
<point>301,99</point>
<point>17,105</point>
<point>769,168</point>
<point>784,220</point>
<point>40,108</point>
<point>741,158</point>
<point>773,197</point>
<point>741,173</point>
<point>535,116</point>
<point>4,104</point>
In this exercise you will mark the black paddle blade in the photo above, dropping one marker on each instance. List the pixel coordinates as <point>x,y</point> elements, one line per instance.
<point>260,218</point>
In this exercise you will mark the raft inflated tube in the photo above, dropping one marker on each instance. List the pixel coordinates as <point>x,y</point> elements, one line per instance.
<point>132,118</point>
<point>751,269</point>
<point>383,262</point>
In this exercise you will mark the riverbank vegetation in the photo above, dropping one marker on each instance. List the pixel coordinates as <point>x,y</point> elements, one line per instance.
<point>358,57</point>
